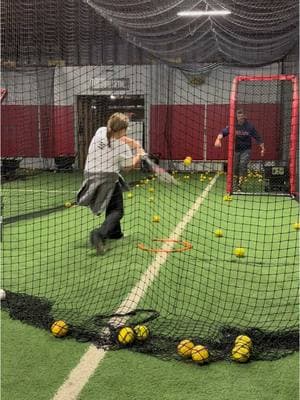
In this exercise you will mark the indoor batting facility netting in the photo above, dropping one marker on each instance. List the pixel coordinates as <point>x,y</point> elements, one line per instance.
<point>206,256</point>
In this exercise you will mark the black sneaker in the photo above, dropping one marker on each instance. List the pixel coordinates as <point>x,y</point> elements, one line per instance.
<point>98,242</point>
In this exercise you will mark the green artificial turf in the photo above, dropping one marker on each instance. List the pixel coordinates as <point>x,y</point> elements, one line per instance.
<point>33,362</point>
<point>34,365</point>
<point>49,256</point>
<point>134,376</point>
<point>207,286</point>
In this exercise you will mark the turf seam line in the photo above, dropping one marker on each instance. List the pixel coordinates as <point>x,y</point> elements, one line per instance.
<point>81,373</point>
<point>8,190</point>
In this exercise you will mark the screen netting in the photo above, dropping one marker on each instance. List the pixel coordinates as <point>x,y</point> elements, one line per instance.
<point>277,173</point>
<point>199,259</point>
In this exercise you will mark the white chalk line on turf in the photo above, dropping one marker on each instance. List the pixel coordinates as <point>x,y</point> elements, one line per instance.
<point>87,365</point>
<point>36,190</point>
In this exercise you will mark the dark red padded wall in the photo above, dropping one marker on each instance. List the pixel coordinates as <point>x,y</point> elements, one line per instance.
<point>47,129</point>
<point>176,131</point>
<point>64,131</point>
<point>217,117</point>
<point>20,127</point>
<point>19,131</point>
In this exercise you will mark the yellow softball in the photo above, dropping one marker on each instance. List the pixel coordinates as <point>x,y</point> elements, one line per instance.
<point>59,328</point>
<point>219,232</point>
<point>155,218</point>
<point>239,252</point>
<point>187,161</point>
<point>126,335</point>
<point>227,197</point>
<point>243,339</point>
<point>141,332</point>
<point>240,353</point>
<point>184,348</point>
<point>200,354</point>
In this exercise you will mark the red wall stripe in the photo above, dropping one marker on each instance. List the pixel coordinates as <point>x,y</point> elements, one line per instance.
<point>20,127</point>
<point>64,131</point>
<point>19,131</point>
<point>176,131</point>
<point>217,118</point>
<point>47,129</point>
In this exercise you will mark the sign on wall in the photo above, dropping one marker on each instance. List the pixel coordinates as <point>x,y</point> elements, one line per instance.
<point>109,84</point>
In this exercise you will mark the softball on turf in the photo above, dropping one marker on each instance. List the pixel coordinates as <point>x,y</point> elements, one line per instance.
<point>59,328</point>
<point>155,218</point>
<point>219,232</point>
<point>296,225</point>
<point>68,204</point>
<point>239,252</point>
<point>243,339</point>
<point>129,195</point>
<point>126,335</point>
<point>187,161</point>
<point>151,189</point>
<point>141,332</point>
<point>184,348</point>
<point>227,197</point>
<point>240,353</point>
<point>200,354</point>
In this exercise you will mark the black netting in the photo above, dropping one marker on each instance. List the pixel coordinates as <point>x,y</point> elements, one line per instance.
<point>206,252</point>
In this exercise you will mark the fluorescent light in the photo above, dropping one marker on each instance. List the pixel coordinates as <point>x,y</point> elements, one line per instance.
<point>200,13</point>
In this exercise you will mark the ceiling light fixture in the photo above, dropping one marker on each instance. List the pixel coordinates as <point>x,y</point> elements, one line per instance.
<point>200,13</point>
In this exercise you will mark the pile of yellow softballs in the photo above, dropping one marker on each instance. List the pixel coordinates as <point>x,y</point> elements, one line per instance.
<point>240,352</point>
<point>198,353</point>
<point>242,348</point>
<point>128,335</point>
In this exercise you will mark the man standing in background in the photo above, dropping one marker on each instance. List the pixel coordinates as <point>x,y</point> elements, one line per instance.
<point>244,132</point>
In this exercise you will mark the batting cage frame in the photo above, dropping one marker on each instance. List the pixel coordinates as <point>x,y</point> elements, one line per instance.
<point>293,124</point>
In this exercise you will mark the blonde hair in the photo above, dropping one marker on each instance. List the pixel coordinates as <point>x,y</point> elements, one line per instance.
<point>116,123</point>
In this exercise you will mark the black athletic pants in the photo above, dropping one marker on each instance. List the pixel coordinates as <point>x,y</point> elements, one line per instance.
<point>111,227</point>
